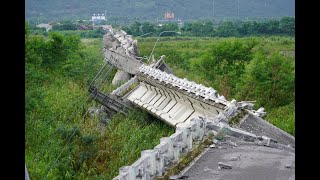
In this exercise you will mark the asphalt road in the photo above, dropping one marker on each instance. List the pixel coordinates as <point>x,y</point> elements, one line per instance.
<point>249,162</point>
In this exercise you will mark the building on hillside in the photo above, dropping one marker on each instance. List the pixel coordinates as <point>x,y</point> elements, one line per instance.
<point>46,26</point>
<point>98,18</point>
<point>168,15</point>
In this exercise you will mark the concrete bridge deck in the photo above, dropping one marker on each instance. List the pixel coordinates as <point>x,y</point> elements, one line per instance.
<point>247,161</point>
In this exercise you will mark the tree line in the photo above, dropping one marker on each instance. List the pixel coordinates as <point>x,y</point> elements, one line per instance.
<point>284,26</point>
<point>240,28</point>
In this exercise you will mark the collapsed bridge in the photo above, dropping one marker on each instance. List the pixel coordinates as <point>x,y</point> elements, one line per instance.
<point>195,110</point>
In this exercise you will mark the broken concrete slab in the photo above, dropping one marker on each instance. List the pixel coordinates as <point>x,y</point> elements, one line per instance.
<point>266,163</point>
<point>260,127</point>
<point>235,158</point>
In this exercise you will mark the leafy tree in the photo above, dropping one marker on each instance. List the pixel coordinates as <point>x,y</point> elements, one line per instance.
<point>273,27</point>
<point>35,50</point>
<point>133,29</point>
<point>224,63</point>
<point>66,25</point>
<point>227,29</point>
<point>269,80</point>
<point>26,28</point>
<point>147,27</point>
<point>55,50</point>
<point>287,25</point>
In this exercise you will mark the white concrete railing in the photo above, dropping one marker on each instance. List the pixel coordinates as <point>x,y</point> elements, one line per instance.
<point>183,84</point>
<point>152,163</point>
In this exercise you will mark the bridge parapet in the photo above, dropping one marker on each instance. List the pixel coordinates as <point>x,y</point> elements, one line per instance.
<point>152,163</point>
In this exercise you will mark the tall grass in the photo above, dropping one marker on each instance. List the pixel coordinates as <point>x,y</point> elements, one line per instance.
<point>76,145</point>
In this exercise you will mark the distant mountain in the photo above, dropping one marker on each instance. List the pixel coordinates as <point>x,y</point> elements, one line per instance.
<point>155,9</point>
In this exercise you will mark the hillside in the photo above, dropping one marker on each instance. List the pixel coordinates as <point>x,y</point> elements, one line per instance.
<point>45,10</point>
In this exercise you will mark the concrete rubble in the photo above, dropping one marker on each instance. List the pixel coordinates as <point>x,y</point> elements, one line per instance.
<point>120,43</point>
<point>235,158</point>
<point>224,165</point>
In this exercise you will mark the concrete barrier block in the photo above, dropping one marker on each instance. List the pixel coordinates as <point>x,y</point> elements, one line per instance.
<point>200,129</point>
<point>151,168</point>
<point>126,173</point>
<point>188,140</point>
<point>168,155</point>
<point>176,139</point>
<point>186,137</point>
<point>159,161</point>
<point>141,167</point>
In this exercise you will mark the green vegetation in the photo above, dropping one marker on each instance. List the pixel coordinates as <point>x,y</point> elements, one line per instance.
<point>82,33</point>
<point>96,33</point>
<point>58,72</point>
<point>283,26</point>
<point>252,68</point>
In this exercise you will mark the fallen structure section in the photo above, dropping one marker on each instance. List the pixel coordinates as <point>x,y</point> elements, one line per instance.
<point>120,50</point>
<point>174,100</point>
<point>122,62</point>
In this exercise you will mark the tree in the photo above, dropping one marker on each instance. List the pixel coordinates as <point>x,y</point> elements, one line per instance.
<point>227,29</point>
<point>224,63</point>
<point>273,26</point>
<point>147,27</point>
<point>287,25</point>
<point>269,80</point>
<point>26,28</point>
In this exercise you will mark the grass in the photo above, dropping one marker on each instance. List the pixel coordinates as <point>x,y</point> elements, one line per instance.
<point>94,151</point>
<point>283,117</point>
